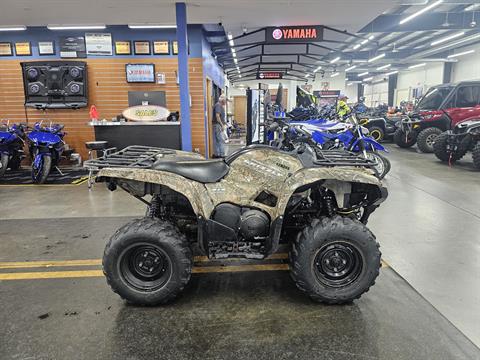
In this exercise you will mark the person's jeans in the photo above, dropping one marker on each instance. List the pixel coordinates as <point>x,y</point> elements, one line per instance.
<point>219,143</point>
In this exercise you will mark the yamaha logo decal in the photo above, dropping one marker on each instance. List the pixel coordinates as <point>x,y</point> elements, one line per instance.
<point>277,34</point>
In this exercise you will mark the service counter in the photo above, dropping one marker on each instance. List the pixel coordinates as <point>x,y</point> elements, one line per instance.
<point>164,134</point>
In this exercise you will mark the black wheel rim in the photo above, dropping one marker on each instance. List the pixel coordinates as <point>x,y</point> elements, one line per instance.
<point>145,267</point>
<point>338,264</point>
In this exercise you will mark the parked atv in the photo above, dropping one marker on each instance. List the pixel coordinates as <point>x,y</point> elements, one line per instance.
<point>439,110</point>
<point>243,206</point>
<point>452,145</point>
<point>12,141</point>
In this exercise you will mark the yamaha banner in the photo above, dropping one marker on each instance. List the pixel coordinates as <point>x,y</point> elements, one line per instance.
<point>294,34</point>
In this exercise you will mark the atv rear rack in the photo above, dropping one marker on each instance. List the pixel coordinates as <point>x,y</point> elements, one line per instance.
<point>136,156</point>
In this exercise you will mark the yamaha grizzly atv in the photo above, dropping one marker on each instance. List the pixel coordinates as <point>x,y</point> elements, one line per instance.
<point>452,145</point>
<point>243,206</point>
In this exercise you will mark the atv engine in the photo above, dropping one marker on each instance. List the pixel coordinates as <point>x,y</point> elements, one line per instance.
<point>249,224</point>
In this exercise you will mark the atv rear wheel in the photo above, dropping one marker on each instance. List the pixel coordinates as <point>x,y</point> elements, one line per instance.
<point>426,138</point>
<point>403,140</point>
<point>147,262</point>
<point>335,260</point>
<point>377,133</point>
<point>3,163</point>
<point>476,156</point>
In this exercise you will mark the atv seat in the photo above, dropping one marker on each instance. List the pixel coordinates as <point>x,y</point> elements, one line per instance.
<point>203,171</point>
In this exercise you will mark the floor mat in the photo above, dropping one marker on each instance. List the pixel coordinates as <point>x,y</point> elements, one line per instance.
<point>24,177</point>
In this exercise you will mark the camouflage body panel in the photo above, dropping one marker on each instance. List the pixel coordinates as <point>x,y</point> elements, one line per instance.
<point>255,171</point>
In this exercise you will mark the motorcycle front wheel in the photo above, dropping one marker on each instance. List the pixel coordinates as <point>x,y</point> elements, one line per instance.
<point>383,164</point>
<point>40,174</point>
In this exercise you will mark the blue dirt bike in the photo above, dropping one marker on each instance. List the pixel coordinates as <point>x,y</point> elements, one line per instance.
<point>46,147</point>
<point>12,140</point>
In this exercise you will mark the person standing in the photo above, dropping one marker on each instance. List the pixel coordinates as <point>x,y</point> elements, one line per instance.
<point>219,127</point>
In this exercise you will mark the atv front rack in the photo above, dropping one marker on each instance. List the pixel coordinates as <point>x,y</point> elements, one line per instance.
<point>341,158</point>
<point>136,156</point>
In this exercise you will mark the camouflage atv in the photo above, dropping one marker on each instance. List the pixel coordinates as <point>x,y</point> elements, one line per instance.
<point>243,206</point>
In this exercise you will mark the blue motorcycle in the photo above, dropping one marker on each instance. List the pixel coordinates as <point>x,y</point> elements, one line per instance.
<point>46,147</point>
<point>12,140</point>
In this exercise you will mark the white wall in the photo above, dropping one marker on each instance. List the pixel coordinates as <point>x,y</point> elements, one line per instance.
<point>376,94</point>
<point>468,66</point>
<point>429,75</point>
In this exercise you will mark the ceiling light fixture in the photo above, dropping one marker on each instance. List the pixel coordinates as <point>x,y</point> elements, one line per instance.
<point>335,60</point>
<point>364,42</point>
<point>13,28</point>
<point>356,47</point>
<point>351,68</point>
<point>420,12</point>
<point>363,74</point>
<point>307,75</point>
<point>471,7</point>
<point>235,60</point>
<point>349,84</point>
<point>335,74</point>
<point>318,68</point>
<point>151,26</point>
<point>384,67</point>
<point>454,36</point>
<point>371,37</point>
<point>378,57</point>
<point>391,73</point>
<point>368,79</point>
<point>417,66</point>
<point>460,54</point>
<point>76,27</point>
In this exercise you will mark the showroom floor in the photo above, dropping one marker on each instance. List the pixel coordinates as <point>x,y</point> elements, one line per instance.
<point>56,302</point>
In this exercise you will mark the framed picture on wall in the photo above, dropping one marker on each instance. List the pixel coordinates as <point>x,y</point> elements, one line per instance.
<point>141,47</point>
<point>46,48</point>
<point>23,48</point>
<point>5,49</point>
<point>175,47</point>
<point>123,48</point>
<point>161,47</point>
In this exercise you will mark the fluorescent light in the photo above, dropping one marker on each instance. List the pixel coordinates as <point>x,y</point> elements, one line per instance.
<point>363,74</point>
<point>468,38</point>
<point>76,27</point>
<point>151,26</point>
<point>371,37</point>
<point>235,60</point>
<point>391,73</point>
<point>460,54</point>
<point>351,68</point>
<point>349,84</point>
<point>335,60</point>
<point>307,75</point>
<point>375,58</point>
<point>240,76</point>
<point>384,67</point>
<point>420,12</point>
<point>335,74</point>
<point>417,66</point>
<point>234,52</point>
<point>230,42</point>
<point>13,28</point>
<point>471,7</point>
<point>454,36</point>
<point>364,42</point>
<point>230,37</point>
<point>318,68</point>
<point>368,79</point>
<point>356,46</point>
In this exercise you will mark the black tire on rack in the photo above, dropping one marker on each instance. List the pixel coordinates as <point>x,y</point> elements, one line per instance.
<point>401,139</point>
<point>335,260</point>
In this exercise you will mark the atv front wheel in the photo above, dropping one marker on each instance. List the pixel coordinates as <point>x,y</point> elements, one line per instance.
<point>403,140</point>
<point>376,133</point>
<point>147,262</point>
<point>335,260</point>
<point>476,156</point>
<point>426,138</point>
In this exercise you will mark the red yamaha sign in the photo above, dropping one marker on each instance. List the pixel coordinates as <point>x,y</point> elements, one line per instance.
<point>269,75</point>
<point>296,34</point>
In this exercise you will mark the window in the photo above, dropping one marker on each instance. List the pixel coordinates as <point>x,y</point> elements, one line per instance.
<point>434,98</point>
<point>468,96</point>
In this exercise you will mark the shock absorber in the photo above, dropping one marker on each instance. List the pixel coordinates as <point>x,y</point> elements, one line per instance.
<point>328,203</point>
<point>155,206</point>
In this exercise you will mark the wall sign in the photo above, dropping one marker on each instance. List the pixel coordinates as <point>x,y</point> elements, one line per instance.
<point>141,47</point>
<point>46,48</point>
<point>161,78</point>
<point>161,47</point>
<point>23,49</point>
<point>175,47</point>
<point>294,34</point>
<point>269,75</point>
<point>123,48</point>
<point>98,43</point>
<point>5,49</point>
<point>140,73</point>
<point>146,113</point>
<point>72,47</point>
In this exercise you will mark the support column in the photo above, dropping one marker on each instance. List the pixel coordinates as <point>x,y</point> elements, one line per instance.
<point>447,72</point>
<point>182,39</point>
<point>392,86</point>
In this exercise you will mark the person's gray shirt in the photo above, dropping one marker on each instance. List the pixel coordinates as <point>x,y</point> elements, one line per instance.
<point>218,109</point>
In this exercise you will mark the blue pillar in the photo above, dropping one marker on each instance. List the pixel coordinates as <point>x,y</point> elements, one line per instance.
<point>182,38</point>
